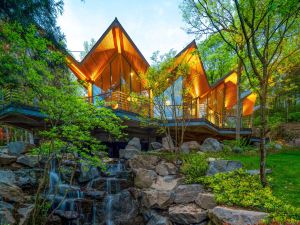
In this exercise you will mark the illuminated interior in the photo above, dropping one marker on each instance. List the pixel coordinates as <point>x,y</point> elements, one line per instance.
<point>111,70</point>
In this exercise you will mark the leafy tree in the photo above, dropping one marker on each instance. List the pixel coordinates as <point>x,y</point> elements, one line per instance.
<point>41,13</point>
<point>40,72</point>
<point>217,19</point>
<point>217,57</point>
<point>268,30</point>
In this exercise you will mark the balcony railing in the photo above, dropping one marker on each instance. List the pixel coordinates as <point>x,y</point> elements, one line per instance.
<point>118,100</point>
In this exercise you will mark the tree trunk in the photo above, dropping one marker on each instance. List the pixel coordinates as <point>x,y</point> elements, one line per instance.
<point>262,147</point>
<point>238,105</point>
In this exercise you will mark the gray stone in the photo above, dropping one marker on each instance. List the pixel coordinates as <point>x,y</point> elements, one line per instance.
<point>6,159</point>
<point>128,153</point>
<point>144,178</point>
<point>187,193</point>
<point>165,168</point>
<point>211,145</point>
<point>277,147</point>
<point>28,178</point>
<point>223,215</point>
<point>7,176</point>
<point>25,213</point>
<point>155,145</point>
<point>6,217</point>
<point>134,143</point>
<point>153,218</point>
<point>206,200</point>
<point>5,205</point>
<point>257,172</point>
<point>237,149</point>
<point>157,199</point>
<point>187,147</point>
<point>166,183</point>
<point>168,143</point>
<point>221,166</point>
<point>10,192</point>
<point>187,214</point>
<point>17,148</point>
<point>28,160</point>
<point>143,161</point>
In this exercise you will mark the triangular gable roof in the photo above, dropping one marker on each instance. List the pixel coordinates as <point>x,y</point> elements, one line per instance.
<point>113,41</point>
<point>198,76</point>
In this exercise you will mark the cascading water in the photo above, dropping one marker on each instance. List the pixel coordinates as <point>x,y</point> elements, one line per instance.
<point>63,196</point>
<point>112,188</point>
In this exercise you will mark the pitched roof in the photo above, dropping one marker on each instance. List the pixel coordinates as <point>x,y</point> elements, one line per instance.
<point>113,41</point>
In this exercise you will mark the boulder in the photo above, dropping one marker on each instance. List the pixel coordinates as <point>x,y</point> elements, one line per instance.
<point>7,206</point>
<point>257,172</point>
<point>168,143</point>
<point>28,160</point>
<point>223,215</point>
<point>165,168</point>
<point>206,200</point>
<point>95,195</point>
<point>6,217</point>
<point>187,147</point>
<point>144,178</point>
<point>144,161</point>
<point>17,148</point>
<point>157,199</point>
<point>211,145</point>
<point>187,193</point>
<point>153,218</point>
<point>25,213</point>
<point>6,159</point>
<point>221,166</point>
<point>128,153</point>
<point>10,192</point>
<point>28,178</point>
<point>135,144</point>
<point>3,150</point>
<point>187,214</point>
<point>7,176</point>
<point>237,149</point>
<point>166,183</point>
<point>277,147</point>
<point>155,146</point>
<point>101,183</point>
<point>54,220</point>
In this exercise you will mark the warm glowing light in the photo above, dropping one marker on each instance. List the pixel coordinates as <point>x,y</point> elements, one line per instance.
<point>131,74</point>
<point>168,102</point>
<point>115,106</point>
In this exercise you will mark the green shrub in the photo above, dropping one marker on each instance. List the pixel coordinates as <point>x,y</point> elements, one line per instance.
<point>194,166</point>
<point>238,188</point>
<point>294,117</point>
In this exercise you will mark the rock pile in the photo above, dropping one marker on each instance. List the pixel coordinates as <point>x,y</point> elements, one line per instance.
<point>18,179</point>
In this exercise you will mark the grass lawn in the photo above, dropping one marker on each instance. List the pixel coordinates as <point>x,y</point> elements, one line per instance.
<point>285,176</point>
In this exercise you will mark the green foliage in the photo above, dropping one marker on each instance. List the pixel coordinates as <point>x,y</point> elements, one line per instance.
<point>238,188</point>
<point>217,57</point>
<point>42,13</point>
<point>194,166</point>
<point>294,117</point>
<point>242,143</point>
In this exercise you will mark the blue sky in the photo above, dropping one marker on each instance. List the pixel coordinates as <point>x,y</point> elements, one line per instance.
<point>153,25</point>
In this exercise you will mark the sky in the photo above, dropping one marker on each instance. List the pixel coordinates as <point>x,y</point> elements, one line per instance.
<point>153,25</point>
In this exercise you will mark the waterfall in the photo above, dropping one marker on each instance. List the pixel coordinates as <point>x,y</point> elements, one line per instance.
<point>63,195</point>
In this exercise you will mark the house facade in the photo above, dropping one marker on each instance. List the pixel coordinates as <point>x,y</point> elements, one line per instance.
<point>111,71</point>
